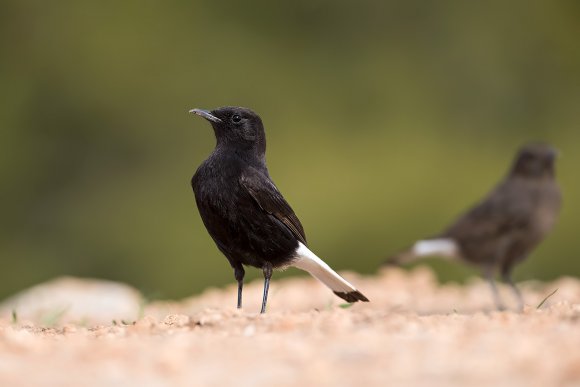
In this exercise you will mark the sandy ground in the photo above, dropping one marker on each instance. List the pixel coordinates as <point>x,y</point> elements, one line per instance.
<point>415,332</point>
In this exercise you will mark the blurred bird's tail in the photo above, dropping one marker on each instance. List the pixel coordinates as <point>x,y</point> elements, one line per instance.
<point>441,247</point>
<point>308,261</point>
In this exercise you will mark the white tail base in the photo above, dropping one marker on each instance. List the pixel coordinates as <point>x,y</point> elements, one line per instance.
<point>444,247</point>
<point>308,261</point>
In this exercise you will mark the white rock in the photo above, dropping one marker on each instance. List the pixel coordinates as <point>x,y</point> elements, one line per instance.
<point>79,300</point>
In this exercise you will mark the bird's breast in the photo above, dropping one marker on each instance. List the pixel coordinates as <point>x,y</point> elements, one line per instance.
<point>547,208</point>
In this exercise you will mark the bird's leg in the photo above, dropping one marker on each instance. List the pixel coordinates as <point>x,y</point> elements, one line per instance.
<point>507,278</point>
<point>490,279</point>
<point>267,268</point>
<point>239,273</point>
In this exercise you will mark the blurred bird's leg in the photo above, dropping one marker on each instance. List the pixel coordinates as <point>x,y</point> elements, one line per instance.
<point>267,269</point>
<point>239,273</point>
<point>489,276</point>
<point>516,292</point>
<point>506,276</point>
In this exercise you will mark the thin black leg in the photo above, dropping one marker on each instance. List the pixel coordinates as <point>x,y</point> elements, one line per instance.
<point>239,273</point>
<point>267,268</point>
<point>489,277</point>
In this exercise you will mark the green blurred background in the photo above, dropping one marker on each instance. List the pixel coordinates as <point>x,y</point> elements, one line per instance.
<point>385,120</point>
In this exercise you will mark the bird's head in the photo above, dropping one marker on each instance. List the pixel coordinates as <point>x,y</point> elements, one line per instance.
<point>237,127</point>
<point>535,161</point>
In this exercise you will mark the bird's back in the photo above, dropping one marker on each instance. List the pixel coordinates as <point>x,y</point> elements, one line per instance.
<point>510,222</point>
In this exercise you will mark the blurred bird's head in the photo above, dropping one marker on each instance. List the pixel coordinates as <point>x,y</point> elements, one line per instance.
<point>535,161</point>
<point>236,127</point>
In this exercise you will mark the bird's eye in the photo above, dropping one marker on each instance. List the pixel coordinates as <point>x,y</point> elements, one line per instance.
<point>236,118</point>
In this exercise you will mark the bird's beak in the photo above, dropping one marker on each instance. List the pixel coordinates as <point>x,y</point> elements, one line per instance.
<point>205,114</point>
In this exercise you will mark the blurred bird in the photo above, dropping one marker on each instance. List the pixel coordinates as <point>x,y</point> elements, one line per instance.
<point>244,212</point>
<point>505,226</point>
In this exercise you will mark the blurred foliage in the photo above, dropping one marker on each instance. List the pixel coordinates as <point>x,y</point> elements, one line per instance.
<point>385,120</point>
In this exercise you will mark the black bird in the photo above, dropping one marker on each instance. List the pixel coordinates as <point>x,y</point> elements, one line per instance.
<point>244,212</point>
<point>505,226</point>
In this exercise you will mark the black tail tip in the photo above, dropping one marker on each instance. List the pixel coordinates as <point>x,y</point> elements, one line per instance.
<point>353,296</point>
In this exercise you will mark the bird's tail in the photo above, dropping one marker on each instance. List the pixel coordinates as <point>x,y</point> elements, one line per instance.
<point>308,261</point>
<point>441,247</point>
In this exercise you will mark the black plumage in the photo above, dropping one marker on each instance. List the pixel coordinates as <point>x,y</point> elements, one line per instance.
<point>243,211</point>
<point>506,225</point>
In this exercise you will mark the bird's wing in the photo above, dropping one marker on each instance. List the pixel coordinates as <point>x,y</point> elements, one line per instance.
<point>267,196</point>
<point>503,211</point>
